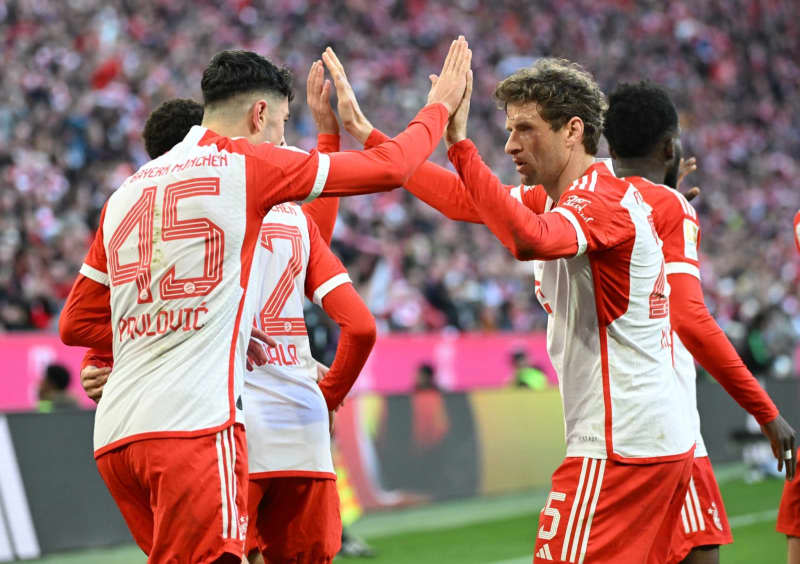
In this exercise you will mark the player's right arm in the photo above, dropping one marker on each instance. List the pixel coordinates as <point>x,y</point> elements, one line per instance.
<point>85,320</point>
<point>277,174</point>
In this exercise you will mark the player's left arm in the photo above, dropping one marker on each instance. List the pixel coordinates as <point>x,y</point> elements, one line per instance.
<point>707,343</point>
<point>329,286</point>
<point>701,335</point>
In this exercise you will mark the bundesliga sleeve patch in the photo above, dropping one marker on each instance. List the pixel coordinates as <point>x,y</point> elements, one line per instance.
<point>690,231</point>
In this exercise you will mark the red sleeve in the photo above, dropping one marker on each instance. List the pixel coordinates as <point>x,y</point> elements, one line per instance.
<point>328,143</point>
<point>797,230</point>
<point>98,358</point>
<point>356,340</point>
<point>324,210</point>
<point>526,234</point>
<point>444,191</point>
<point>677,225</point>
<point>86,318</point>
<point>390,164</point>
<point>437,187</point>
<point>325,272</point>
<point>708,344</point>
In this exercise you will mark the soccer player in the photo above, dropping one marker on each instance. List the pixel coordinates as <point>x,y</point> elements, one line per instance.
<point>169,267</point>
<point>600,276</point>
<point>643,134</point>
<point>285,409</point>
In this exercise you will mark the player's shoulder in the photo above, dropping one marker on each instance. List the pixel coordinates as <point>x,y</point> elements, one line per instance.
<point>663,198</point>
<point>597,186</point>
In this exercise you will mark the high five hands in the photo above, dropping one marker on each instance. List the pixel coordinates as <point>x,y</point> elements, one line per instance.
<point>448,88</point>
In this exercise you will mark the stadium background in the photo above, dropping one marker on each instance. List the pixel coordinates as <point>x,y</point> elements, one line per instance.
<point>81,76</point>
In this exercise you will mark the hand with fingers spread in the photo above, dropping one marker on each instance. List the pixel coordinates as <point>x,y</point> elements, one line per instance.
<point>448,87</point>
<point>93,380</point>
<point>781,438</point>
<point>457,126</point>
<point>686,167</point>
<point>353,119</point>
<point>318,96</point>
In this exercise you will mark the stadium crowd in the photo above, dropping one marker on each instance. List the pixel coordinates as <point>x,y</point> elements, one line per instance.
<point>81,76</point>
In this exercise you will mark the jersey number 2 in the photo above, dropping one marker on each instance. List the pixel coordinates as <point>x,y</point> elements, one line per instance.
<point>270,320</point>
<point>141,219</point>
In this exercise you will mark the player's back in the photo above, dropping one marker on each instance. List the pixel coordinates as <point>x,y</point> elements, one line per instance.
<point>676,223</point>
<point>286,413</point>
<point>178,240</point>
<point>608,327</point>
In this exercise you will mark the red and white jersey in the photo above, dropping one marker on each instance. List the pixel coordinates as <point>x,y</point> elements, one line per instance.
<point>175,245</point>
<point>286,413</point>
<point>608,330</point>
<point>677,226</point>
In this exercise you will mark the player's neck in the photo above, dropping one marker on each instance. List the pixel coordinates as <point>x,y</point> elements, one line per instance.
<point>646,167</point>
<point>574,169</point>
<point>226,128</point>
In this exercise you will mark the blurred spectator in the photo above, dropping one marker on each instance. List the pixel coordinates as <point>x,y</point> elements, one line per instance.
<point>81,76</point>
<point>525,375</point>
<point>425,379</point>
<point>53,394</point>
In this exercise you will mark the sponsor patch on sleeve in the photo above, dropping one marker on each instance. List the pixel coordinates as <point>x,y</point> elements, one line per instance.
<point>690,231</point>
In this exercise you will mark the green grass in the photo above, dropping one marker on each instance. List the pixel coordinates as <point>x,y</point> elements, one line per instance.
<point>503,529</point>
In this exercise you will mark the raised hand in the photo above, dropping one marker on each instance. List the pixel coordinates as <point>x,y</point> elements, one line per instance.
<point>353,119</point>
<point>318,98</point>
<point>457,126</point>
<point>449,86</point>
<point>686,167</point>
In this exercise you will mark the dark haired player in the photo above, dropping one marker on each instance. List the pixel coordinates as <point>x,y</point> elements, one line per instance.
<point>170,267</point>
<point>293,501</point>
<point>643,134</point>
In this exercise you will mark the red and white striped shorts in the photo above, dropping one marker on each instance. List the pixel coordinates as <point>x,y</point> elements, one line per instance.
<point>604,511</point>
<point>703,520</point>
<point>184,499</point>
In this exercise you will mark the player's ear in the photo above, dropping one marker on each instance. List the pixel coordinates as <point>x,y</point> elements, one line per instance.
<point>257,118</point>
<point>668,149</point>
<point>574,131</point>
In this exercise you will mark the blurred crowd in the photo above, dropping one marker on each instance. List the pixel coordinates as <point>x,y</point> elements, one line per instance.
<point>81,76</point>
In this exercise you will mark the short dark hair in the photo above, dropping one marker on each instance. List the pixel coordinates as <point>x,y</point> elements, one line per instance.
<point>562,90</point>
<point>169,123</point>
<point>58,376</point>
<point>639,116</point>
<point>236,72</point>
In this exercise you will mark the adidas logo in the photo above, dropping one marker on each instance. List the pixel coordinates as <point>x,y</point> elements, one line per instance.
<point>544,553</point>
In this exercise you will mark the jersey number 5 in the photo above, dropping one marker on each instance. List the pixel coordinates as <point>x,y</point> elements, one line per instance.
<point>141,218</point>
